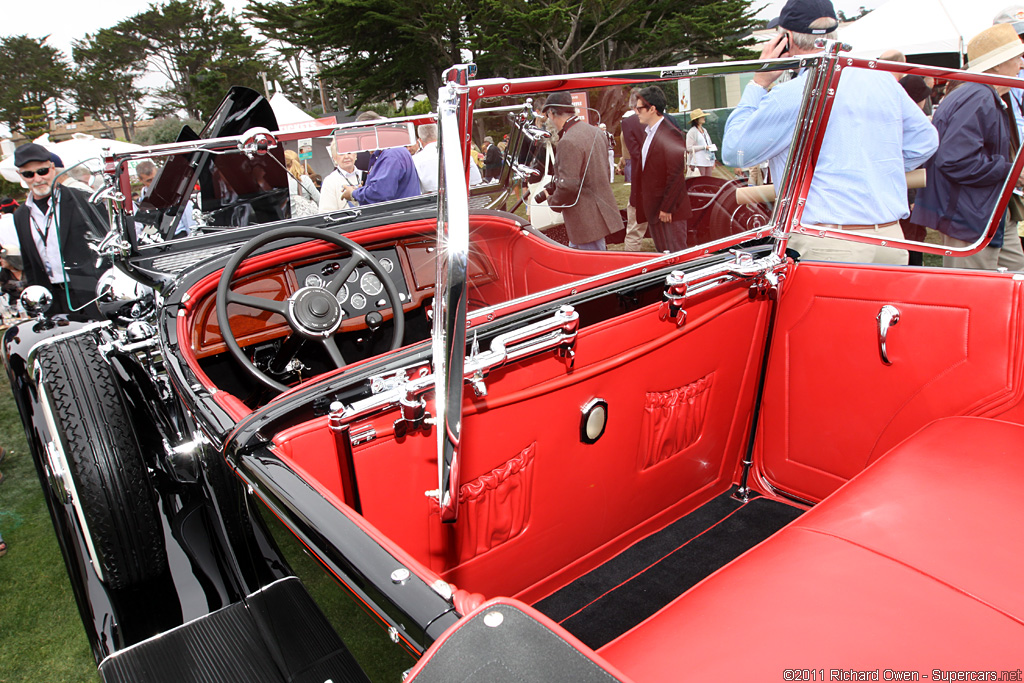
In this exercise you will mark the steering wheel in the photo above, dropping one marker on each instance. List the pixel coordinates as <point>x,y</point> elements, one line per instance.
<point>313,312</point>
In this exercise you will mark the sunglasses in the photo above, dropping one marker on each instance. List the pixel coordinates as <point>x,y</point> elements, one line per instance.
<point>28,175</point>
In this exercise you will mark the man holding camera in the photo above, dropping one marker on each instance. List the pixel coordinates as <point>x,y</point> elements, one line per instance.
<point>580,188</point>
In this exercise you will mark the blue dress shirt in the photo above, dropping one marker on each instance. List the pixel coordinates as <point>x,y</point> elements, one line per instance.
<point>875,134</point>
<point>392,176</point>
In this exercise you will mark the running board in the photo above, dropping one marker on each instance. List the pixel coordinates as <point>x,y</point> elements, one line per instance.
<point>275,635</point>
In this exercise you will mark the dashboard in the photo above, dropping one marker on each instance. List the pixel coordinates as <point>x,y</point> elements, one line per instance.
<point>363,291</point>
<point>411,265</point>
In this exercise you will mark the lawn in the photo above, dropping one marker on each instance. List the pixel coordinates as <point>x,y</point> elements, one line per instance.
<point>41,634</point>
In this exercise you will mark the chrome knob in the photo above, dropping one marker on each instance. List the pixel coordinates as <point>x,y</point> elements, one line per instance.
<point>36,300</point>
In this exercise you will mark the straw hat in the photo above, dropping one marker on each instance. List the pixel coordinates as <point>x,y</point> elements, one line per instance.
<point>992,47</point>
<point>699,113</point>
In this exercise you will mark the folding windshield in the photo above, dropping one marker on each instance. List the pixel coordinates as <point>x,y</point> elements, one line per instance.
<point>895,161</point>
<point>568,158</point>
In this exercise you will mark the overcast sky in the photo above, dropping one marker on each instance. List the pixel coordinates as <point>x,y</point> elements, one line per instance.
<point>67,20</point>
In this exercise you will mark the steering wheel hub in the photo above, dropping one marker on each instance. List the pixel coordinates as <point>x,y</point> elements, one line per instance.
<point>315,312</point>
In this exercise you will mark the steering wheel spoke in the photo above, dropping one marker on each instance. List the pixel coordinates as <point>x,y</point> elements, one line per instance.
<point>335,284</point>
<point>269,305</point>
<point>334,352</point>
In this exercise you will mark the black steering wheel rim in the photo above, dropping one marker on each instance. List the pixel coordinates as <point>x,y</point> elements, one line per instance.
<point>360,256</point>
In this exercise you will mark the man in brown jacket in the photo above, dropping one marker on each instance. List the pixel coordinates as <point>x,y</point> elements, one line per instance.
<point>580,188</point>
<point>659,180</point>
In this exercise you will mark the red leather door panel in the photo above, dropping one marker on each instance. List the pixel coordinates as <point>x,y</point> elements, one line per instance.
<point>539,507</point>
<point>831,406</point>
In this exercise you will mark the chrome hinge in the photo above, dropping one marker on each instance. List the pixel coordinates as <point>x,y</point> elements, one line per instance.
<point>362,435</point>
<point>675,297</point>
<point>767,285</point>
<point>414,414</point>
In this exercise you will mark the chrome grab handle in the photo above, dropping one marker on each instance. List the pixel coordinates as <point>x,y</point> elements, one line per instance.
<point>887,317</point>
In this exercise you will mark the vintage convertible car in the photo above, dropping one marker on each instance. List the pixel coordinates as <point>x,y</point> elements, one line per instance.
<point>521,461</point>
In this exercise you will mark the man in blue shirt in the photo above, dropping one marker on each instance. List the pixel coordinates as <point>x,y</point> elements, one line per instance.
<point>875,134</point>
<point>392,174</point>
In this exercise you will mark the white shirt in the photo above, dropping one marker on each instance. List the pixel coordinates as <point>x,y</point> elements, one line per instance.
<point>330,190</point>
<point>426,162</point>
<point>651,130</point>
<point>8,233</point>
<point>44,235</point>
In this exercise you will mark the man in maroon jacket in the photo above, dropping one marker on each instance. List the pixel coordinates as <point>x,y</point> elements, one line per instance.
<point>659,179</point>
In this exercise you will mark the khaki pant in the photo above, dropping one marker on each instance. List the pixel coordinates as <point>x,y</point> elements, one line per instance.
<point>831,249</point>
<point>1009,256</point>
<point>634,231</point>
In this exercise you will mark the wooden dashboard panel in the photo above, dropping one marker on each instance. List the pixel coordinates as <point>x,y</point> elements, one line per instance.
<point>417,261</point>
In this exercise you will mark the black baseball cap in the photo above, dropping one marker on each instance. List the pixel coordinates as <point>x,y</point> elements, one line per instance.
<point>30,152</point>
<point>798,15</point>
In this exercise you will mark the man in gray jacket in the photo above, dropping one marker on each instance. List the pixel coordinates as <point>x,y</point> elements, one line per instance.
<point>581,189</point>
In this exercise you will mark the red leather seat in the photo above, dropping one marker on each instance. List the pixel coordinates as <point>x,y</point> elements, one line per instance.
<point>916,564</point>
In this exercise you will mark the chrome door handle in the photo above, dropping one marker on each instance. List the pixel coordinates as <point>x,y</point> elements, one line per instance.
<point>887,317</point>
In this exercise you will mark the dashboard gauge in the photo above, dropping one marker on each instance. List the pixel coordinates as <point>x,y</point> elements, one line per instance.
<point>314,280</point>
<point>353,276</point>
<point>388,264</point>
<point>371,284</point>
<point>343,294</point>
<point>358,301</point>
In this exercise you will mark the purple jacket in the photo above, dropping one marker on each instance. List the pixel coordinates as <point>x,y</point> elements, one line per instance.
<point>967,171</point>
<point>392,176</point>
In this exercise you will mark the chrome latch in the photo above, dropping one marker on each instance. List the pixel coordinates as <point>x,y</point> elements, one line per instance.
<point>675,298</point>
<point>886,318</point>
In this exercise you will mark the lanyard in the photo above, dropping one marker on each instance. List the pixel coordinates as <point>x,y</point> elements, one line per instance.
<point>44,234</point>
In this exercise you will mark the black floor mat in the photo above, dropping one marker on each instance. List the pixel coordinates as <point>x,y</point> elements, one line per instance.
<point>636,583</point>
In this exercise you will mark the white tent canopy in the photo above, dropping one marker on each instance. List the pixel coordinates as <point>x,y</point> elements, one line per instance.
<point>286,112</point>
<point>920,26</point>
<point>80,147</point>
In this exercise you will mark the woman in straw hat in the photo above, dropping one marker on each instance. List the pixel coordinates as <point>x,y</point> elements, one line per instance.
<point>967,172</point>
<point>699,148</point>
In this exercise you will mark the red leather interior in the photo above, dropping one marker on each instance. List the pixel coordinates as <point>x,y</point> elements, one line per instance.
<point>504,264</point>
<point>574,504</point>
<point>914,565</point>
<point>831,406</point>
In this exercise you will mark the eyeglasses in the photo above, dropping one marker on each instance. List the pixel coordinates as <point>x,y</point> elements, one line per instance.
<point>642,107</point>
<point>28,175</point>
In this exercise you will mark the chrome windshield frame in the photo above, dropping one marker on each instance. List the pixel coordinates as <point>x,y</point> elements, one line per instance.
<point>451,294</point>
<point>812,126</point>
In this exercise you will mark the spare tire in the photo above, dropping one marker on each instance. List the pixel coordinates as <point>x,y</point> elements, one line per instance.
<point>95,465</point>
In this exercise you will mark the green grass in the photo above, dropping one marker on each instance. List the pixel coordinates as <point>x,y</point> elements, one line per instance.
<point>42,639</point>
<point>41,634</point>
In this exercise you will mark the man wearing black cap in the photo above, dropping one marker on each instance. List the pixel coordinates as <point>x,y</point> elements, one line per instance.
<point>51,227</point>
<point>581,189</point>
<point>875,134</point>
